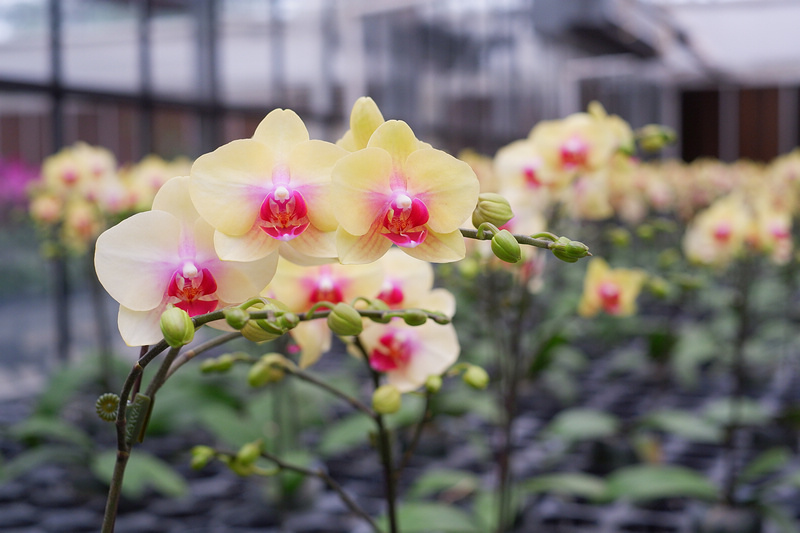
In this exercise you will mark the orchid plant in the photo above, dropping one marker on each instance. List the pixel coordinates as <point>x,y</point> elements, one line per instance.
<point>280,235</point>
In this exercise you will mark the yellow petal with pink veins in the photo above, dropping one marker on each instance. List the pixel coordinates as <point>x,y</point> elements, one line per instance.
<point>448,186</point>
<point>360,192</point>
<point>281,129</point>
<point>253,245</point>
<point>360,249</point>
<point>229,185</point>
<point>397,138</point>
<point>440,248</point>
<point>133,259</point>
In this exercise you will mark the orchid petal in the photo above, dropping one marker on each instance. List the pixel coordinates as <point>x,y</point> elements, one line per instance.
<point>173,197</point>
<point>314,338</point>
<point>140,328</point>
<point>315,243</point>
<point>252,246</point>
<point>229,184</point>
<point>361,189</point>
<point>236,282</point>
<point>359,249</point>
<point>135,259</point>
<point>281,129</point>
<point>440,247</point>
<point>448,186</point>
<point>397,138</point>
<point>311,164</point>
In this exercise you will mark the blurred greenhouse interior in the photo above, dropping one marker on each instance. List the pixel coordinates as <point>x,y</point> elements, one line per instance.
<point>179,78</point>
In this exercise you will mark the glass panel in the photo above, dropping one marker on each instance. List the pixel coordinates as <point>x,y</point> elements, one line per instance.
<point>174,51</point>
<point>244,52</point>
<point>24,40</point>
<point>100,48</point>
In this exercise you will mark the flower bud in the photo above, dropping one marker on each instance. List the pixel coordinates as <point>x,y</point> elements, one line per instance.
<point>344,320</point>
<point>249,453</point>
<point>491,208</point>
<point>620,237</point>
<point>235,317</point>
<point>386,399</point>
<point>177,327</point>
<point>288,321</point>
<point>658,286</point>
<point>646,231</point>
<point>201,455</point>
<point>569,251</point>
<point>440,318</point>
<point>266,370</point>
<point>377,304</point>
<point>476,377</point>
<point>506,247</point>
<point>469,268</point>
<point>261,330</point>
<point>654,137</point>
<point>224,362</point>
<point>415,317</point>
<point>433,384</point>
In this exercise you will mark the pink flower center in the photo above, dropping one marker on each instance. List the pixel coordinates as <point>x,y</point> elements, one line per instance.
<point>609,296</point>
<point>779,231</point>
<point>325,289</point>
<point>404,222</point>
<point>284,214</point>
<point>391,293</point>
<point>531,178</point>
<point>393,351</point>
<point>193,290</point>
<point>722,232</point>
<point>69,176</point>
<point>574,153</point>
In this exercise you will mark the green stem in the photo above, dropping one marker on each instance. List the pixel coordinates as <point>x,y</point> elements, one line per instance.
<point>412,446</point>
<point>522,239</point>
<point>188,355</point>
<point>305,376</point>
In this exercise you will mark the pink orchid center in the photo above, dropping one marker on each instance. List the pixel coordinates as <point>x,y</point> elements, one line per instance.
<point>531,178</point>
<point>779,231</point>
<point>722,233</point>
<point>284,214</point>
<point>325,289</point>
<point>391,293</point>
<point>404,221</point>
<point>574,153</point>
<point>394,351</point>
<point>69,176</point>
<point>193,290</point>
<point>609,296</point>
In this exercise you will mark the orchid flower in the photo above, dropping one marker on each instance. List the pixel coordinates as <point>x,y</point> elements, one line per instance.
<point>613,291</point>
<point>166,257</point>
<point>274,188</point>
<point>407,355</point>
<point>399,191</point>
<point>300,287</point>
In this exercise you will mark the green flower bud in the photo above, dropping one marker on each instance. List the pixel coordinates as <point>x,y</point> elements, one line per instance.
<point>266,370</point>
<point>668,258</point>
<point>235,317</point>
<point>506,247</point>
<point>201,455</point>
<point>654,137</point>
<point>249,453</point>
<point>646,231</point>
<point>415,317</point>
<point>433,384</point>
<point>469,268</point>
<point>569,251</point>
<point>491,208</point>
<point>658,286</point>
<point>224,362</point>
<point>386,399</point>
<point>208,366</point>
<point>261,330</point>
<point>379,305</point>
<point>619,237</point>
<point>288,321</point>
<point>476,377</point>
<point>344,320</point>
<point>177,327</point>
<point>440,318</point>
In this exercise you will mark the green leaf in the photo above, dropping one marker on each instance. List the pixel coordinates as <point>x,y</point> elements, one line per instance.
<point>291,481</point>
<point>35,457</point>
<point>434,481</point>
<point>485,509</point>
<point>641,483</point>
<point>229,426</point>
<point>46,428</point>
<point>783,521</point>
<point>143,470</point>
<point>683,424</point>
<point>346,434</point>
<point>744,412</point>
<point>766,463</point>
<point>567,483</point>
<point>431,518</point>
<point>695,346</point>
<point>460,401</point>
<point>583,424</point>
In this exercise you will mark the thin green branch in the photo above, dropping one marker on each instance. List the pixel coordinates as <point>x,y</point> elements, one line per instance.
<point>522,239</point>
<point>188,355</point>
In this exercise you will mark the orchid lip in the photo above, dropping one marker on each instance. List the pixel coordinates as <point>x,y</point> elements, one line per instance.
<point>194,294</point>
<point>394,351</point>
<point>404,221</point>
<point>284,214</point>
